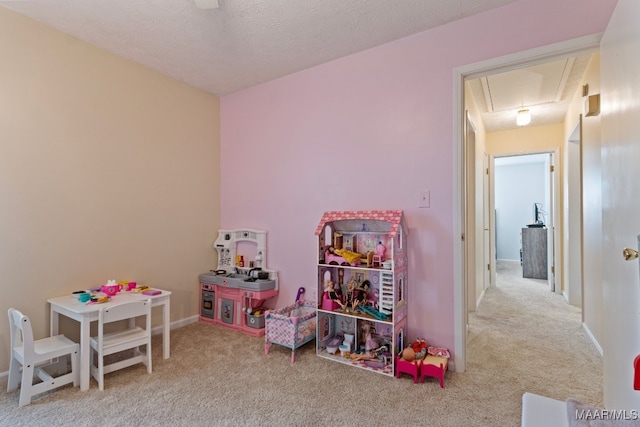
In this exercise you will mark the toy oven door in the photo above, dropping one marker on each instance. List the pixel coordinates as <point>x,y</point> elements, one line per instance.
<point>208,304</point>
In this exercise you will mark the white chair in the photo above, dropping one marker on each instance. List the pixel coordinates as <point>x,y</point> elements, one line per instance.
<point>125,339</point>
<point>35,356</point>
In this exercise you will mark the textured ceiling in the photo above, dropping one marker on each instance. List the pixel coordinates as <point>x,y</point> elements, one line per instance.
<point>242,42</point>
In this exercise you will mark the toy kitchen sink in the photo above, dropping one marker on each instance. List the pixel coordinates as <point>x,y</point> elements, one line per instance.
<point>237,280</point>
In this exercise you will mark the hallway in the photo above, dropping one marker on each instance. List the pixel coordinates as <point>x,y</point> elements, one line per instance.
<point>525,338</point>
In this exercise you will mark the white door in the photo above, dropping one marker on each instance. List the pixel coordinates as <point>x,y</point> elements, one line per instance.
<point>471,237</point>
<point>486,237</point>
<point>573,219</point>
<point>550,203</point>
<point>620,121</point>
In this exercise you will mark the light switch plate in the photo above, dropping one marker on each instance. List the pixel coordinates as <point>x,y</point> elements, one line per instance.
<point>424,200</point>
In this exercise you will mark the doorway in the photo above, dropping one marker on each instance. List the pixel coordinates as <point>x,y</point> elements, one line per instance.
<point>523,206</point>
<point>580,46</point>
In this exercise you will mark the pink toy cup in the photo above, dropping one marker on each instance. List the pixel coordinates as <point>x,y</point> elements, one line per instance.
<point>131,285</point>
<point>111,290</point>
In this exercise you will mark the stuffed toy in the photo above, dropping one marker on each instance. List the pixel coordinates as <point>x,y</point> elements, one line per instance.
<point>416,351</point>
<point>420,348</point>
<point>408,354</point>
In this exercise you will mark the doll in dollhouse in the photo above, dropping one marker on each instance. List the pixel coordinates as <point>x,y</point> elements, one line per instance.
<point>330,291</point>
<point>352,285</point>
<point>370,343</point>
<point>361,292</point>
<point>366,292</point>
<point>350,301</point>
<point>331,297</point>
<point>349,256</point>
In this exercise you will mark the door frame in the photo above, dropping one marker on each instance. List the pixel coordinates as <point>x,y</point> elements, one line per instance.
<point>553,231</point>
<point>488,248</point>
<point>573,221</point>
<point>470,212</point>
<point>556,51</point>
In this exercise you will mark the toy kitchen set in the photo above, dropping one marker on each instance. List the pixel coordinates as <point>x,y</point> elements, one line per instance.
<point>232,296</point>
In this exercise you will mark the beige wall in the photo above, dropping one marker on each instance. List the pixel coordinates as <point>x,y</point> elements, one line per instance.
<point>525,140</point>
<point>108,170</point>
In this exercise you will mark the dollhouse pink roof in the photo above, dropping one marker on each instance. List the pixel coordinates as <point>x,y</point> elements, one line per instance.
<point>394,217</point>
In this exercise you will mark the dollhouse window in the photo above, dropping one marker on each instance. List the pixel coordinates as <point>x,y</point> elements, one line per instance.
<point>327,276</point>
<point>325,328</point>
<point>327,236</point>
<point>400,234</point>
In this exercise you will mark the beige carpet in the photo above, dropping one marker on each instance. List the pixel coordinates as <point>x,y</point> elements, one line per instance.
<point>523,338</point>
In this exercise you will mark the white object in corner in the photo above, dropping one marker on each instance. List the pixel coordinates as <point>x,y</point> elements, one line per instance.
<point>541,411</point>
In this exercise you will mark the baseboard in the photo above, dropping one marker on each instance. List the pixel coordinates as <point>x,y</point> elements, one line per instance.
<point>480,299</point>
<point>176,324</point>
<point>593,339</point>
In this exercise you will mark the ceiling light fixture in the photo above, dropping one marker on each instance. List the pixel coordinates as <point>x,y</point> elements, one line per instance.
<point>523,118</point>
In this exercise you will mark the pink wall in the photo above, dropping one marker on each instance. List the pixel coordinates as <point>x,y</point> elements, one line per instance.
<point>369,131</point>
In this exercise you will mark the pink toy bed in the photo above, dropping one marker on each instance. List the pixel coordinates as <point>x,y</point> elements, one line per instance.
<point>330,258</point>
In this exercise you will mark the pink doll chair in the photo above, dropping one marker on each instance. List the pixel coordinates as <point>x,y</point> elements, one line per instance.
<point>329,304</point>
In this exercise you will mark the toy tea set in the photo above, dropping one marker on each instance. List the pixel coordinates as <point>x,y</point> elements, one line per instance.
<point>110,289</point>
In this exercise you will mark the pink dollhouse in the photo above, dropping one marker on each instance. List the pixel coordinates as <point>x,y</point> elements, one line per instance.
<point>362,285</point>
